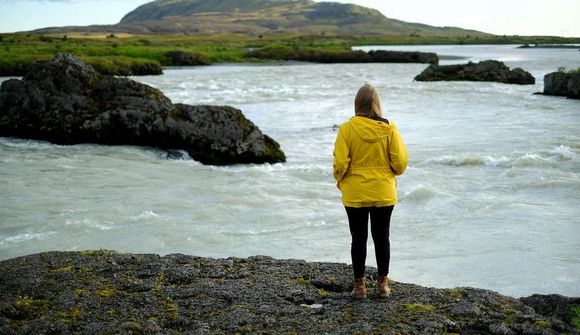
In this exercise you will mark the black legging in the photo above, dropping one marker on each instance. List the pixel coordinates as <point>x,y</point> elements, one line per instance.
<point>358,219</point>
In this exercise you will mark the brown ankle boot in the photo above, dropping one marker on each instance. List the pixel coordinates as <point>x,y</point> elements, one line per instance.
<point>359,291</point>
<point>383,287</point>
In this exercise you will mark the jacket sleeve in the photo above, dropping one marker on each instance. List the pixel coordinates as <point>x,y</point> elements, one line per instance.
<point>397,153</point>
<point>341,156</point>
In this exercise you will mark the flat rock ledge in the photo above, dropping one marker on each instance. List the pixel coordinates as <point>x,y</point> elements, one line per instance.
<point>104,292</point>
<point>562,84</point>
<point>65,101</point>
<point>489,70</point>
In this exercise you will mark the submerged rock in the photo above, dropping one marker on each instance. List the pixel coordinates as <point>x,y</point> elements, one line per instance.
<point>104,292</point>
<point>562,84</point>
<point>65,101</point>
<point>489,70</point>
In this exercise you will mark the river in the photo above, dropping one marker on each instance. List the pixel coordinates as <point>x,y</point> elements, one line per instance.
<point>490,198</point>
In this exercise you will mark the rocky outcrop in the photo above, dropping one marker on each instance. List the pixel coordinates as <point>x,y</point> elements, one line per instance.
<point>327,56</point>
<point>103,292</point>
<point>553,305</point>
<point>489,70</point>
<point>65,101</point>
<point>562,84</point>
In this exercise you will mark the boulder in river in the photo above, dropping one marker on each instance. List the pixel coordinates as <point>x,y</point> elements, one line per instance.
<point>65,101</point>
<point>489,70</point>
<point>105,292</point>
<point>562,84</point>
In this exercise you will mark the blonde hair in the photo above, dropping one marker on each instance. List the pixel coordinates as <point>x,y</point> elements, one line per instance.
<point>368,102</point>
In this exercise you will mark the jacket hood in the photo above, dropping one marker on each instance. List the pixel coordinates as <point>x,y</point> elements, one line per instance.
<point>369,130</point>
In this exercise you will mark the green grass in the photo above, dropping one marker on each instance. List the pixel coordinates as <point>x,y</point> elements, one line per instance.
<point>419,307</point>
<point>128,54</point>
<point>576,317</point>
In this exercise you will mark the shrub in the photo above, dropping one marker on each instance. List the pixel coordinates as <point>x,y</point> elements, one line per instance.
<point>273,51</point>
<point>145,42</point>
<point>46,39</point>
<point>124,66</point>
<point>184,58</point>
<point>19,66</point>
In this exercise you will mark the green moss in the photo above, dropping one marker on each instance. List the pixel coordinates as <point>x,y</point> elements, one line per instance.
<point>303,282</point>
<point>134,326</point>
<point>29,304</point>
<point>101,253</point>
<point>419,307</point>
<point>171,309</point>
<point>246,329</point>
<point>200,296</point>
<point>71,315</point>
<point>543,324</point>
<point>106,292</point>
<point>159,282</point>
<point>456,293</point>
<point>323,293</point>
<point>576,316</point>
<point>79,291</point>
<point>68,268</point>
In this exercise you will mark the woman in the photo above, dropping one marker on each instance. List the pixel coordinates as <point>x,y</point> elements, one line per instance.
<point>369,152</point>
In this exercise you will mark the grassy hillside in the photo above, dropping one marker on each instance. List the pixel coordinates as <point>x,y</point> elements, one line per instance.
<point>130,54</point>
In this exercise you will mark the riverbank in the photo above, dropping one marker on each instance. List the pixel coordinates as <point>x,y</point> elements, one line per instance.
<point>147,54</point>
<point>98,292</point>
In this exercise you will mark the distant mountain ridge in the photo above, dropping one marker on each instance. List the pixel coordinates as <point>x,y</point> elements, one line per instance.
<point>263,17</point>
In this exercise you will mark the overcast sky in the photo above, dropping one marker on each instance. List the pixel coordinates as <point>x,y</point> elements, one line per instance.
<point>509,17</point>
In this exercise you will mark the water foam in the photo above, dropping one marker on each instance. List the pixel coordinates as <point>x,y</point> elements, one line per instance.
<point>25,237</point>
<point>550,157</point>
<point>420,193</point>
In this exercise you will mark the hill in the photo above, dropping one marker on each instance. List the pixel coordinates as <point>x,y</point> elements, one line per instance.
<point>259,17</point>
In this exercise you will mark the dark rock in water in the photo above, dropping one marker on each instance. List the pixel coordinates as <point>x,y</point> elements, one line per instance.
<point>550,46</point>
<point>562,84</point>
<point>386,56</point>
<point>489,70</point>
<point>65,101</point>
<point>104,292</point>
<point>329,56</point>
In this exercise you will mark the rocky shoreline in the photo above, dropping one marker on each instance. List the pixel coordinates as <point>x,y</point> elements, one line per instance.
<point>104,292</point>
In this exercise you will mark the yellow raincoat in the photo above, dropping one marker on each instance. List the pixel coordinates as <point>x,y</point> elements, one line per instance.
<point>368,154</point>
